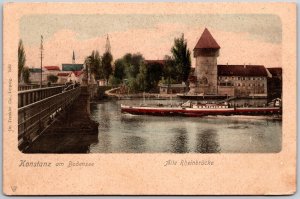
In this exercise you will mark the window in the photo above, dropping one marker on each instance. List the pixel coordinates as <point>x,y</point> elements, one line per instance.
<point>232,78</point>
<point>239,78</point>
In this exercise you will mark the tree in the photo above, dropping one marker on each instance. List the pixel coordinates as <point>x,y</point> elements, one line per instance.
<point>132,64</point>
<point>94,63</point>
<point>21,59</point>
<point>26,75</point>
<point>169,71</point>
<point>107,65</point>
<point>119,71</point>
<point>52,78</point>
<point>153,75</point>
<point>182,58</point>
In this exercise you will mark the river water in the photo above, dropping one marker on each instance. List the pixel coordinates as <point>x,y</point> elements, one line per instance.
<point>124,133</point>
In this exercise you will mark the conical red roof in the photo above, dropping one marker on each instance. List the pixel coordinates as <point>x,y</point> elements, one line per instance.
<point>206,41</point>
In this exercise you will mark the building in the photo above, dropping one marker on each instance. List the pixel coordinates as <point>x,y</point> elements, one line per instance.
<point>52,70</point>
<point>75,77</point>
<point>209,78</point>
<point>242,80</point>
<point>72,67</point>
<point>63,77</point>
<point>35,76</point>
<point>206,53</point>
<point>274,82</point>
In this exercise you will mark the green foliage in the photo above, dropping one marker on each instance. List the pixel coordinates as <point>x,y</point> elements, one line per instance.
<point>119,71</point>
<point>182,58</point>
<point>142,78</point>
<point>153,74</point>
<point>133,85</point>
<point>26,75</point>
<point>95,65</point>
<point>21,59</point>
<point>170,72</point>
<point>107,65</point>
<point>132,64</point>
<point>114,81</point>
<point>52,78</point>
<point>128,67</point>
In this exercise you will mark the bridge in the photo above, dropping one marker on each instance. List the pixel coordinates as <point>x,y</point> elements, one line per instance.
<point>53,109</point>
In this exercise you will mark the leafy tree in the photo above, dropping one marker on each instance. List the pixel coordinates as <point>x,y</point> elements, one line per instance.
<point>95,65</point>
<point>26,75</point>
<point>21,58</point>
<point>153,75</point>
<point>114,81</point>
<point>132,85</point>
<point>142,78</point>
<point>182,58</point>
<point>129,67</point>
<point>52,78</point>
<point>119,71</point>
<point>132,64</point>
<point>169,71</point>
<point>107,65</point>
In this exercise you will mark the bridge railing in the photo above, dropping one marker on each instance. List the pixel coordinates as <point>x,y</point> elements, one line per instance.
<point>35,117</point>
<point>30,96</point>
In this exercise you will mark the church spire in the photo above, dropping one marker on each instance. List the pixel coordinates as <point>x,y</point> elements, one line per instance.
<point>73,58</point>
<point>107,45</point>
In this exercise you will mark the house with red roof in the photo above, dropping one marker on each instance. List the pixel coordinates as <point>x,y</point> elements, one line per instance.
<point>52,70</point>
<point>63,77</point>
<point>76,76</point>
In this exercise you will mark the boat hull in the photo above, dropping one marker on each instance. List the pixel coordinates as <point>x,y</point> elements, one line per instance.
<point>194,112</point>
<point>188,112</point>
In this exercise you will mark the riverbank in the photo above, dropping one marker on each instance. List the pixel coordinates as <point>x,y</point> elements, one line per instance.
<point>113,93</point>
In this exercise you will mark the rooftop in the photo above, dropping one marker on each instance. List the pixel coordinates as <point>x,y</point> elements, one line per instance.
<point>34,70</point>
<point>72,67</point>
<point>63,74</point>
<point>275,72</point>
<point>242,70</point>
<point>206,41</point>
<point>52,68</point>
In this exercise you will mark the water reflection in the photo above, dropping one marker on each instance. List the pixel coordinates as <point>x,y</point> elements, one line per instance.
<point>122,133</point>
<point>207,142</point>
<point>134,144</point>
<point>132,122</point>
<point>180,141</point>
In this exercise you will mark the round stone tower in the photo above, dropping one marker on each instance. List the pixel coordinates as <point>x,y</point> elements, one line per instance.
<point>206,52</point>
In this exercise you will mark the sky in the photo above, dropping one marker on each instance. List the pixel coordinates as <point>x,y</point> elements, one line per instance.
<point>244,39</point>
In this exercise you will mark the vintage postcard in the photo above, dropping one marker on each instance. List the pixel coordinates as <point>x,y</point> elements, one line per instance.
<point>149,98</point>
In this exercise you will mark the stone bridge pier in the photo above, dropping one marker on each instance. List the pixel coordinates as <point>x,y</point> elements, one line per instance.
<point>71,131</point>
